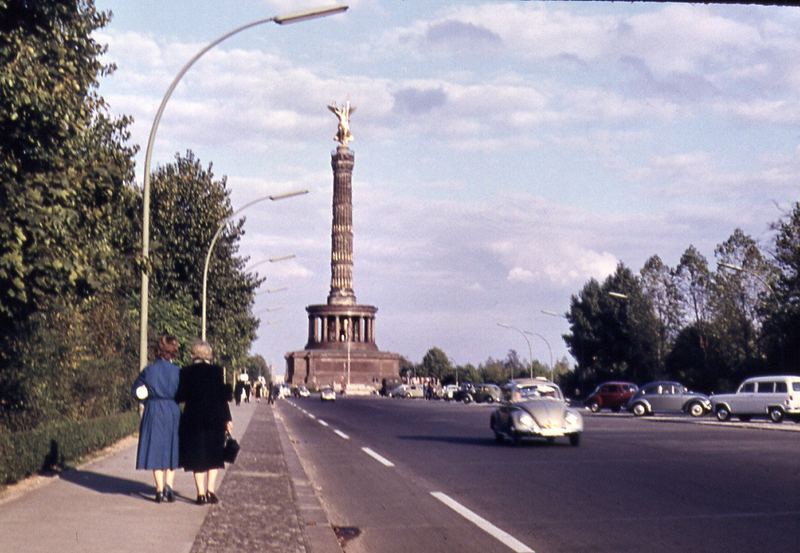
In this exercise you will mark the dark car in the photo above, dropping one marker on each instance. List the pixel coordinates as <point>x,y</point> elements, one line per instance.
<point>667,397</point>
<point>612,395</point>
<point>487,393</point>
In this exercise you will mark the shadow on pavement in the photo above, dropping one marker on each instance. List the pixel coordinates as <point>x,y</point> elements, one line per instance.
<point>464,440</point>
<point>103,483</point>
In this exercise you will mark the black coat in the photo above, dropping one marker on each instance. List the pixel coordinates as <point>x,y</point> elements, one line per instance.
<point>205,414</point>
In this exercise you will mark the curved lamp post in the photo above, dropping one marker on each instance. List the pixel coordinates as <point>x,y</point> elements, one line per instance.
<point>269,260</point>
<point>222,227</point>
<point>280,20</point>
<point>549,349</point>
<point>739,269</point>
<point>530,351</point>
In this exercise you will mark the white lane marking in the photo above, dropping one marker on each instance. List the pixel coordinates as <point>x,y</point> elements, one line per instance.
<point>483,524</point>
<point>382,460</point>
<point>341,434</point>
<point>311,415</point>
<point>322,422</point>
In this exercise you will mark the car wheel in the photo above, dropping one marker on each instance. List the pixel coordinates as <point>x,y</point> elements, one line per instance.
<point>723,413</point>
<point>594,407</point>
<point>776,414</point>
<point>574,439</point>
<point>639,409</point>
<point>696,410</point>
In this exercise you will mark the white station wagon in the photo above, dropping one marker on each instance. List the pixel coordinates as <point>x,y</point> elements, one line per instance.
<point>775,397</point>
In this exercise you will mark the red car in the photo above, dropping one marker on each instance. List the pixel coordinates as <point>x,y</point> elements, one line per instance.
<point>611,395</point>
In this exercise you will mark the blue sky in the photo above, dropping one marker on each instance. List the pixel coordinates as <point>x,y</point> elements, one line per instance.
<point>506,152</point>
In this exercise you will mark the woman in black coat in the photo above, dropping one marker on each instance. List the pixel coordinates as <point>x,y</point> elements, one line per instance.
<point>205,420</point>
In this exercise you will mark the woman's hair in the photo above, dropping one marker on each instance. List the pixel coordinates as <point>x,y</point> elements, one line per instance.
<point>201,351</point>
<point>168,347</point>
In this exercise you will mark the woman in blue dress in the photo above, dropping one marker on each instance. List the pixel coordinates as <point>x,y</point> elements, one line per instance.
<point>158,430</point>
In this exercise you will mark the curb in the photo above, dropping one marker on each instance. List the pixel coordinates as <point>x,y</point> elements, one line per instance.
<point>319,534</point>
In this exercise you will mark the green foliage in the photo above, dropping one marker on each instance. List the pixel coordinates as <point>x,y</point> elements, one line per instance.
<point>54,445</point>
<point>435,364</point>
<point>188,206</point>
<point>74,363</point>
<point>613,337</point>
<point>782,323</point>
<point>63,162</point>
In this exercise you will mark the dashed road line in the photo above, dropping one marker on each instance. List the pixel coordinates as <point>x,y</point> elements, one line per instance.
<point>341,434</point>
<point>322,422</point>
<point>382,460</point>
<point>500,535</point>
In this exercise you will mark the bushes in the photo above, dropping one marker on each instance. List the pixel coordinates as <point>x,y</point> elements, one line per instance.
<point>53,445</point>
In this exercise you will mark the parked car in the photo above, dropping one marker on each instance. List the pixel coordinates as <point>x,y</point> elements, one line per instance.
<point>449,391</point>
<point>488,393</point>
<point>327,394</point>
<point>610,395</point>
<point>775,397</point>
<point>407,391</point>
<point>667,397</point>
<point>465,392</point>
<point>300,391</point>
<point>536,409</point>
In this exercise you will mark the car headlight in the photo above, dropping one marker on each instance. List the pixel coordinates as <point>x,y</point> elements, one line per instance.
<point>525,422</point>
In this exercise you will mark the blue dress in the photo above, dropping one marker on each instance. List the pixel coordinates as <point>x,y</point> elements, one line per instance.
<point>158,430</point>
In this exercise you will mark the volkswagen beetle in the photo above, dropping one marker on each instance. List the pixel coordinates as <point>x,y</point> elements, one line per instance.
<point>535,408</point>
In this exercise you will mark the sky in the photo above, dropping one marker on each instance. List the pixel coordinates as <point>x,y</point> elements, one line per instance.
<point>505,152</point>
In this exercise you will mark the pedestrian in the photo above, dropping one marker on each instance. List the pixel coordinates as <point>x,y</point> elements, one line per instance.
<point>238,391</point>
<point>205,421</point>
<point>247,390</point>
<point>258,391</point>
<point>157,384</point>
<point>271,396</point>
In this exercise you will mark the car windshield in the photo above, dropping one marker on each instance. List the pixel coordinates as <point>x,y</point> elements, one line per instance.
<point>538,390</point>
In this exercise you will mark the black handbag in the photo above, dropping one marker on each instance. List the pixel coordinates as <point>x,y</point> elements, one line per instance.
<point>231,449</point>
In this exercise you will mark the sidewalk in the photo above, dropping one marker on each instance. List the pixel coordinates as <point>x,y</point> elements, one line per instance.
<point>106,506</point>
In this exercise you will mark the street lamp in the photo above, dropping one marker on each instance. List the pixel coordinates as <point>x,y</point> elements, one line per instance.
<point>217,234</point>
<point>552,313</point>
<point>273,290</point>
<point>740,269</point>
<point>530,351</point>
<point>549,349</point>
<point>269,260</point>
<point>280,20</point>
<point>618,295</point>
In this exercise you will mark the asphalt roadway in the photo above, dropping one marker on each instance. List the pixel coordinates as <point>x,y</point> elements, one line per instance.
<point>383,475</point>
<point>410,475</point>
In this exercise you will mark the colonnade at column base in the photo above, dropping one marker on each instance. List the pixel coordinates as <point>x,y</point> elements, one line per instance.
<point>318,368</point>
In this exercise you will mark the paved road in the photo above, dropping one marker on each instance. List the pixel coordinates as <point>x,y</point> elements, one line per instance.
<point>633,484</point>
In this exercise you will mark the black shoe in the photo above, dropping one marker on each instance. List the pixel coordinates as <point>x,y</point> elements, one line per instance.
<point>159,497</point>
<point>212,498</point>
<point>169,495</point>
<point>201,500</point>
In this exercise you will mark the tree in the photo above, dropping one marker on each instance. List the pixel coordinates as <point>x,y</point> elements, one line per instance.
<point>66,225</point>
<point>612,337</point>
<point>738,301</point>
<point>782,323</point>
<point>436,364</point>
<point>188,205</point>
<point>659,286</point>
<point>64,165</point>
